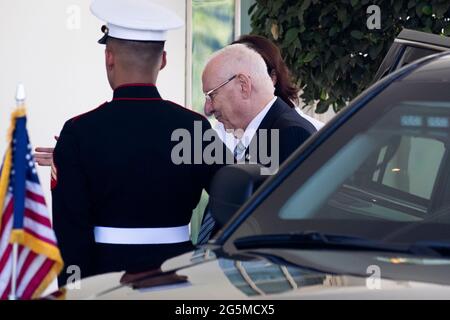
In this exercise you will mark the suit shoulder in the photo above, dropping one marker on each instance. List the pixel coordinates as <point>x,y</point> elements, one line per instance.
<point>292,119</point>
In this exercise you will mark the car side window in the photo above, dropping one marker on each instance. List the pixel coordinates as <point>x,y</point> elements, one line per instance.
<point>388,172</point>
<point>412,54</point>
<point>413,167</point>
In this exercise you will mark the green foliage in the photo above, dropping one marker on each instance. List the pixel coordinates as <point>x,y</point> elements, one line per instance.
<point>212,29</point>
<point>328,47</point>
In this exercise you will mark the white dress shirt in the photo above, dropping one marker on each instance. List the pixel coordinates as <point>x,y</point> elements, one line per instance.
<point>251,129</point>
<point>231,142</point>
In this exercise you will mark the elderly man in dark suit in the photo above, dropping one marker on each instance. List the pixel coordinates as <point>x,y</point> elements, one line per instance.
<point>240,94</point>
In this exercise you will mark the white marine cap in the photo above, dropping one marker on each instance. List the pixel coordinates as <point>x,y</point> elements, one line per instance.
<point>138,20</point>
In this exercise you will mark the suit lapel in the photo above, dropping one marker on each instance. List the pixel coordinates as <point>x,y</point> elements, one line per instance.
<point>274,113</point>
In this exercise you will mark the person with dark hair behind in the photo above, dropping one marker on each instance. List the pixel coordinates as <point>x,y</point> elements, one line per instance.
<point>278,71</point>
<point>276,68</point>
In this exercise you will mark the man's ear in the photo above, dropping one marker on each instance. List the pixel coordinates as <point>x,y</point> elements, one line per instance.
<point>163,60</point>
<point>245,83</point>
<point>109,59</point>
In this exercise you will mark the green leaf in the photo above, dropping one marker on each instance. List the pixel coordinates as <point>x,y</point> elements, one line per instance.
<point>290,36</point>
<point>322,107</point>
<point>318,38</point>
<point>342,15</point>
<point>337,50</point>
<point>426,10</point>
<point>327,55</point>
<point>354,3</point>
<point>398,6</point>
<point>374,51</point>
<point>419,9</point>
<point>308,36</point>
<point>333,31</point>
<point>357,34</point>
<point>347,22</point>
<point>329,8</point>
<point>305,4</point>
<point>323,95</point>
<point>277,5</point>
<point>301,10</point>
<point>309,57</point>
<point>252,8</point>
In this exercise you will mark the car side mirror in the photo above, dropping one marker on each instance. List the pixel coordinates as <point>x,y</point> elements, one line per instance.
<point>231,187</point>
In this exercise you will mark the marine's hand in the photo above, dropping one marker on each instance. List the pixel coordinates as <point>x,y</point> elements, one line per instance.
<point>44,156</point>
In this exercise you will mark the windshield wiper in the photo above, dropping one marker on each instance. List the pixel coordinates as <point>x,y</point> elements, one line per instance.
<point>306,240</point>
<point>321,241</point>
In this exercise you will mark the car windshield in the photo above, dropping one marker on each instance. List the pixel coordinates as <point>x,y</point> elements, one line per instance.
<point>384,175</point>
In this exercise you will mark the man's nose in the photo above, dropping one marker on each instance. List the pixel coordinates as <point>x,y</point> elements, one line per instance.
<point>209,110</point>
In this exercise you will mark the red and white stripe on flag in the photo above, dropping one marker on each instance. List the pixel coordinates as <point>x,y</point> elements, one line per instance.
<point>38,260</point>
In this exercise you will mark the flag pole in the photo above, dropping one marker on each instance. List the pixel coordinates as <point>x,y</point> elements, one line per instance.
<point>20,102</point>
<point>12,295</point>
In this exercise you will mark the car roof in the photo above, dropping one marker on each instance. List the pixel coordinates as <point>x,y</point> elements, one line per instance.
<point>436,70</point>
<point>424,38</point>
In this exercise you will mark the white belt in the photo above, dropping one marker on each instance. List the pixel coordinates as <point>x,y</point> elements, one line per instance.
<point>141,235</point>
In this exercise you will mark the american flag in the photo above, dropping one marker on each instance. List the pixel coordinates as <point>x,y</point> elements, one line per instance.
<point>24,219</point>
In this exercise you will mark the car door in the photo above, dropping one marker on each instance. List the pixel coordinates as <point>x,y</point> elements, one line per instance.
<point>411,45</point>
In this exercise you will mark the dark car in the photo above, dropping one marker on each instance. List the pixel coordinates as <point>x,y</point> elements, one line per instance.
<point>409,46</point>
<point>362,210</point>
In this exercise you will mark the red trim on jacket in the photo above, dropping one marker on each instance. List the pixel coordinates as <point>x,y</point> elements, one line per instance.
<point>54,176</point>
<point>137,99</point>
<point>135,85</point>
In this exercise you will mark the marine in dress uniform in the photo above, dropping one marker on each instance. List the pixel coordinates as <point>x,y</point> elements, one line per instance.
<point>119,201</point>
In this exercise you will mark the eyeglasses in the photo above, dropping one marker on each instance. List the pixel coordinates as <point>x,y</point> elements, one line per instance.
<point>208,95</point>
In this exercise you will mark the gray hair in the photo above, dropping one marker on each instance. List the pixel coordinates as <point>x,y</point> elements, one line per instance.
<point>242,59</point>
